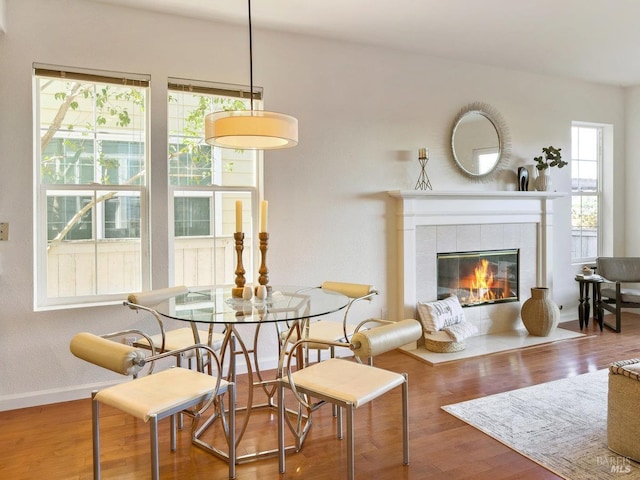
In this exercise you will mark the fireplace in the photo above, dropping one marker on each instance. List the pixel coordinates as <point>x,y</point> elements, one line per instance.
<point>479,277</point>
<point>430,222</point>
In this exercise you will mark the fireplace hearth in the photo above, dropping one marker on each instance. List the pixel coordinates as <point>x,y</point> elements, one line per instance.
<point>479,277</point>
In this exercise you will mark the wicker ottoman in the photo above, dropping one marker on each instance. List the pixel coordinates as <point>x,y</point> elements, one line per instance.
<point>623,422</point>
<point>441,342</point>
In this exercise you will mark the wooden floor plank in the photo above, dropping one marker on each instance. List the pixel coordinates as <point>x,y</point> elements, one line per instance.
<point>54,441</point>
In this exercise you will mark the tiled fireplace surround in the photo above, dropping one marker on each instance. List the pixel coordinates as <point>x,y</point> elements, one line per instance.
<point>432,222</point>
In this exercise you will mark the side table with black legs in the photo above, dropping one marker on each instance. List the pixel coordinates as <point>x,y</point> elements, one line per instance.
<point>583,307</point>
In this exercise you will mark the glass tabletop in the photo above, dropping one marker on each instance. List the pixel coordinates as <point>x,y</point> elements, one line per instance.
<point>216,305</point>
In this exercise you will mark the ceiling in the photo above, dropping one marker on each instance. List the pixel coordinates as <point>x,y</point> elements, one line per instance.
<point>593,40</point>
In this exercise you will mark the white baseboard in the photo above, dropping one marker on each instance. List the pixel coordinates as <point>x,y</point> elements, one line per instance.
<point>54,395</point>
<point>78,392</point>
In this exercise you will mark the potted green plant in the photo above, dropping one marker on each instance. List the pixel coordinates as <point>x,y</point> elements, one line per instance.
<point>551,158</point>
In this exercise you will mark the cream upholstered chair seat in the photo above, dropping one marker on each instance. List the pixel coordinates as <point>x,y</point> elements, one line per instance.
<point>155,396</point>
<point>324,330</point>
<point>180,338</point>
<point>356,384</point>
<point>348,384</point>
<point>161,392</point>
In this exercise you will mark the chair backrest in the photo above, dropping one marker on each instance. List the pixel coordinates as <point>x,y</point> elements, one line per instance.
<point>372,342</point>
<point>151,298</point>
<point>108,354</point>
<point>621,269</point>
<point>351,290</point>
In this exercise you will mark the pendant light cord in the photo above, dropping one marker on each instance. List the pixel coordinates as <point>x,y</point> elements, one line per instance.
<point>250,57</point>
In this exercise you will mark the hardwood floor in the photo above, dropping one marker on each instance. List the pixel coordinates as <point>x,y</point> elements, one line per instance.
<point>54,441</point>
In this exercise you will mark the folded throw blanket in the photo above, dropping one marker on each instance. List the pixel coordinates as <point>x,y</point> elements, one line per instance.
<point>460,331</point>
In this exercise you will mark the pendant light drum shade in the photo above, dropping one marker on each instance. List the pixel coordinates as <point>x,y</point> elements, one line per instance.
<point>251,130</point>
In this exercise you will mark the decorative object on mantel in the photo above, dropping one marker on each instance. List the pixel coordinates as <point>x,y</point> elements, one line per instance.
<point>480,142</point>
<point>540,314</point>
<point>423,180</point>
<point>552,158</point>
<point>523,179</point>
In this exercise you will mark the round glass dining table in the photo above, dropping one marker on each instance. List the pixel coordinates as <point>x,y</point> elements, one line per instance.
<point>285,303</point>
<point>288,308</point>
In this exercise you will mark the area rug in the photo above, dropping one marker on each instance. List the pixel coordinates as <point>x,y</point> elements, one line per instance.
<point>561,425</point>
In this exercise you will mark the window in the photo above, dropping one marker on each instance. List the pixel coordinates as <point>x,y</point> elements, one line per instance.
<point>205,183</point>
<point>484,159</point>
<point>586,192</point>
<point>91,157</point>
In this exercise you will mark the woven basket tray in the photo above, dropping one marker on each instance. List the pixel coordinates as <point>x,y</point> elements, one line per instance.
<point>440,342</point>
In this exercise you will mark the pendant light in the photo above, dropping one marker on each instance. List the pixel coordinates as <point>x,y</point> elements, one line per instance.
<point>251,129</point>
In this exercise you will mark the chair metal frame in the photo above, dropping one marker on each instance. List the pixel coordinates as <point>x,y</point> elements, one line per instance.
<point>304,394</point>
<point>159,296</point>
<point>347,332</point>
<point>193,407</point>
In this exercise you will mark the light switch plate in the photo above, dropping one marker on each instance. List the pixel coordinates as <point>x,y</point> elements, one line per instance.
<point>4,231</point>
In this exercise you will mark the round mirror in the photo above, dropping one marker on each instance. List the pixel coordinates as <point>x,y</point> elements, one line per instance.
<point>479,142</point>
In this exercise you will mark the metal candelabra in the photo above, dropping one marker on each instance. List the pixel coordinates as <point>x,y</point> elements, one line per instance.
<point>423,182</point>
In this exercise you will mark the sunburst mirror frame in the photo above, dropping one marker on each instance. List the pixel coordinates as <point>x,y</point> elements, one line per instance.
<point>504,140</point>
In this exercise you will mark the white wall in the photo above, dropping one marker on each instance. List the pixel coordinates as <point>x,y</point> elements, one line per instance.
<point>632,172</point>
<point>363,114</point>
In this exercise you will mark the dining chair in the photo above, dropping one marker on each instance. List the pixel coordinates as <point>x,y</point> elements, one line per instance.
<point>346,383</point>
<point>171,340</point>
<point>155,396</point>
<point>328,330</point>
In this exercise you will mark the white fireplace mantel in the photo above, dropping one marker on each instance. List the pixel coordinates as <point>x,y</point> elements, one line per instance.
<point>428,208</point>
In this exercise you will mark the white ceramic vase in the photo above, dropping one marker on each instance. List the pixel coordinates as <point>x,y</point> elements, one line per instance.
<point>543,181</point>
<point>540,314</point>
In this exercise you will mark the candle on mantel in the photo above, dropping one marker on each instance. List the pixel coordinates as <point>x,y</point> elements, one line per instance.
<point>238,215</point>
<point>263,216</point>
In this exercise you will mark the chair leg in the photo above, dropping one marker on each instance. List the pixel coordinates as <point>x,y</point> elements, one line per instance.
<point>405,420</point>
<point>335,408</point>
<point>232,430</point>
<point>180,415</point>
<point>155,463</point>
<point>338,414</point>
<point>281,414</point>
<point>95,427</point>
<point>172,433</point>
<point>350,443</point>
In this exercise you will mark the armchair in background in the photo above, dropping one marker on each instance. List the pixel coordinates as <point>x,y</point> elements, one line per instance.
<point>617,272</point>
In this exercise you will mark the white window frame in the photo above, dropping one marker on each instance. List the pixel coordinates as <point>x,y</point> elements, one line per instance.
<point>598,194</point>
<point>255,191</point>
<point>42,301</point>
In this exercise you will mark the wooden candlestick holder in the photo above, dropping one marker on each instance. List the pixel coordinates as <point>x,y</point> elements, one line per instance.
<point>263,278</point>
<point>240,280</point>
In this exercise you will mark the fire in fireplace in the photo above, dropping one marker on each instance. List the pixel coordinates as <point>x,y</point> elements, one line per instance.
<point>476,278</point>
